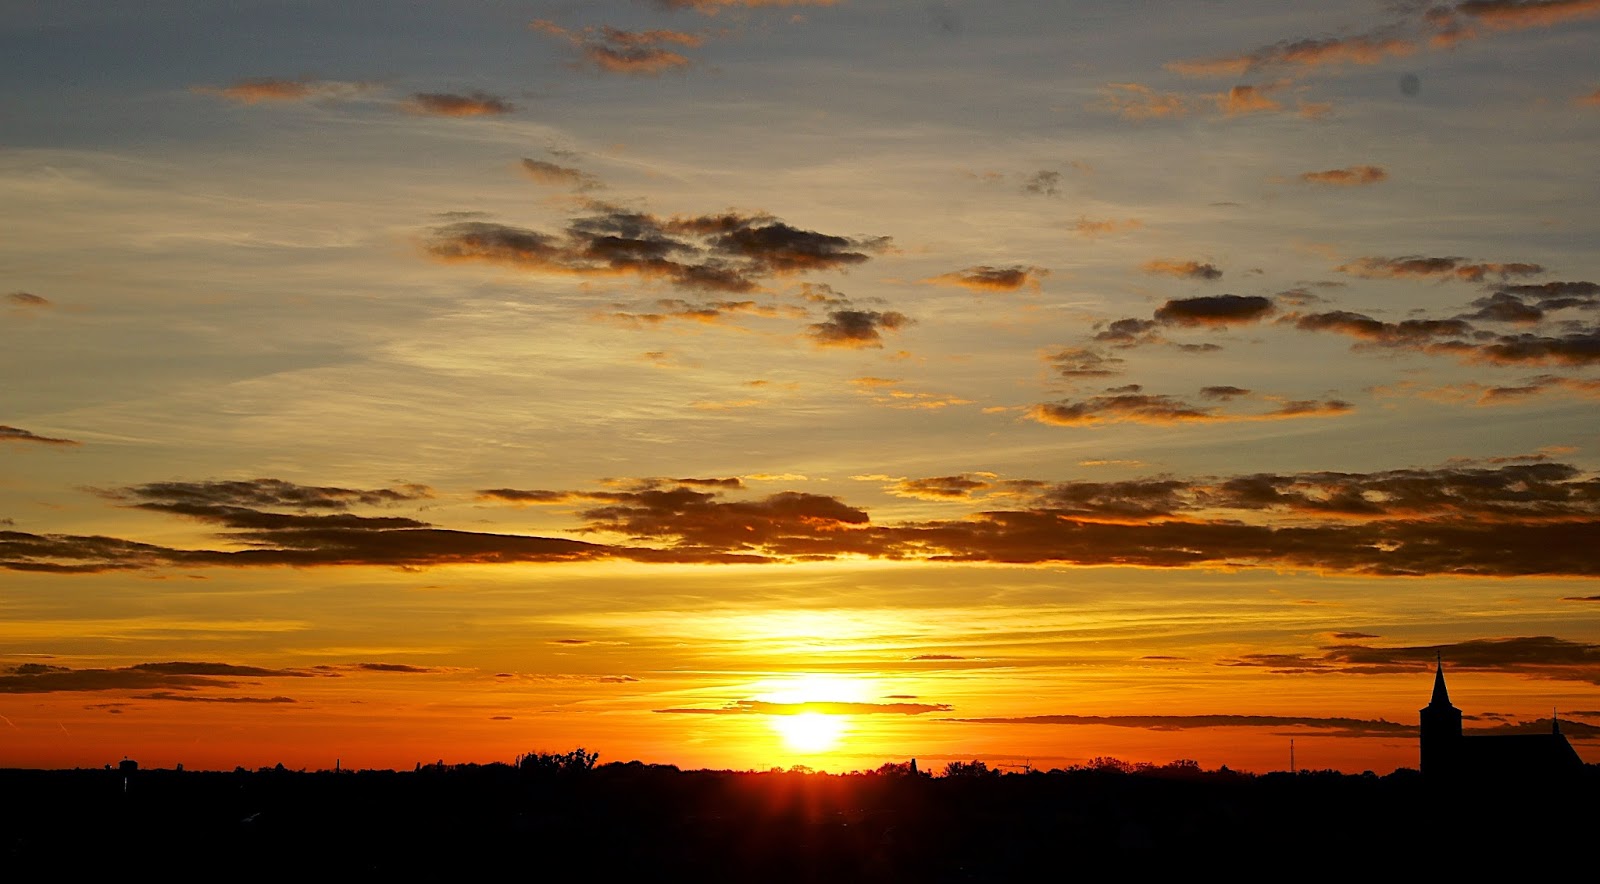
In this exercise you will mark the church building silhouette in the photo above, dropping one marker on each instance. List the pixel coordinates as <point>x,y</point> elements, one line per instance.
<point>1448,754</point>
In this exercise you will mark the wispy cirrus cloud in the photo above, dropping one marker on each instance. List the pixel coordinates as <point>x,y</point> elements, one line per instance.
<point>546,172</point>
<point>825,707</point>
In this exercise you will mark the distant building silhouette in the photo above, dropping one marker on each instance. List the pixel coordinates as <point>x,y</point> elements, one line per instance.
<point>1448,754</point>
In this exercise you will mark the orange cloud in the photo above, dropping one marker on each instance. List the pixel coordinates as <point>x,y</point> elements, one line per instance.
<point>1133,101</point>
<point>1242,100</point>
<point>1518,14</point>
<point>1100,227</point>
<point>16,434</point>
<point>1364,49</point>
<point>449,104</point>
<point>1351,176</point>
<point>617,51</point>
<point>1591,100</point>
<point>274,89</point>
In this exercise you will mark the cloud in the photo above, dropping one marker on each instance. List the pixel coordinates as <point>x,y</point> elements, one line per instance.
<point>1348,727</point>
<point>712,7</point>
<point>37,678</point>
<point>28,300</point>
<point>1127,407</point>
<point>519,496</point>
<point>1129,332</point>
<point>1134,101</point>
<point>1364,49</point>
<point>271,89</point>
<point>1148,408</point>
<point>928,657</point>
<point>394,667</point>
<point>1543,656</point>
<point>1358,325</point>
<point>941,487</point>
<point>1182,269</point>
<point>1214,310</point>
<point>825,707</point>
<point>16,434</point>
<point>1556,295</point>
<point>1590,100</point>
<point>450,104</point>
<point>1511,519</point>
<point>222,495</point>
<point>616,51</point>
<point>1416,266</point>
<point>1082,362</point>
<point>726,253</point>
<point>1043,182</point>
<point>1518,14</point>
<point>1091,228</point>
<point>1505,307</point>
<point>1350,176</point>
<point>1224,393</point>
<point>196,698</point>
<point>561,176</point>
<point>1243,99</point>
<point>856,328</point>
<point>984,278</point>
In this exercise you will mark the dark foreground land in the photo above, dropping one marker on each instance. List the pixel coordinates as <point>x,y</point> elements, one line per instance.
<point>643,822</point>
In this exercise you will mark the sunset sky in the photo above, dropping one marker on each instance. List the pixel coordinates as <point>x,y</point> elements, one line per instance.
<point>751,383</point>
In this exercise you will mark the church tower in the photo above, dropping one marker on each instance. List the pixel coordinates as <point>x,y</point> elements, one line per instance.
<point>1441,728</point>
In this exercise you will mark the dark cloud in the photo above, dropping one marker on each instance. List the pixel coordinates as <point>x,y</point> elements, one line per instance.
<point>1416,266</point>
<point>1507,520</point>
<point>450,104</point>
<point>826,707</point>
<point>1152,408</point>
<point>31,678</point>
<point>1346,636</point>
<point>1183,269</point>
<point>28,299</point>
<point>16,434</point>
<point>1517,14</point>
<point>1581,598</point>
<point>1578,348</point>
<point>941,487</point>
<point>1408,332</point>
<point>926,657</point>
<point>515,495</point>
<point>1350,727</point>
<point>1080,362</point>
<point>1223,392</point>
<point>726,253</point>
<point>546,172</point>
<point>199,698</point>
<point>395,667</point>
<point>1214,310</point>
<point>1128,332</point>
<point>1543,656</point>
<point>1556,295</point>
<point>1043,182</point>
<point>1505,307</point>
<point>984,278</point>
<point>1352,176</point>
<point>264,493</point>
<point>856,328</point>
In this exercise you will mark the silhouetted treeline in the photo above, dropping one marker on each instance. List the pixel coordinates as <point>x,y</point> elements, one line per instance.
<point>564,813</point>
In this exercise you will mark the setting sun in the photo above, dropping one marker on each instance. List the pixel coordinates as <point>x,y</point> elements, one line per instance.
<point>810,731</point>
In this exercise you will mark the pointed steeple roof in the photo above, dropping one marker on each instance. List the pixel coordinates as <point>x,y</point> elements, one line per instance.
<point>1441,696</point>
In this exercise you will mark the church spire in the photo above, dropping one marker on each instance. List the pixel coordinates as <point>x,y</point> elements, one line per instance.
<point>1441,696</point>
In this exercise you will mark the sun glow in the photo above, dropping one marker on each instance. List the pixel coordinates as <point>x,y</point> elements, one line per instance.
<point>810,731</point>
